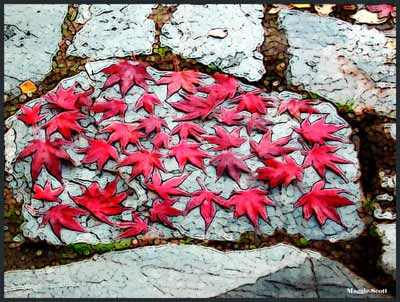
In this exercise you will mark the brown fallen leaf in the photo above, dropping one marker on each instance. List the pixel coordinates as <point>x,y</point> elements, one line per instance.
<point>324,9</point>
<point>28,87</point>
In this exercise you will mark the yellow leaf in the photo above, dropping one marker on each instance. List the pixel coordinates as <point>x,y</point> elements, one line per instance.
<point>301,5</point>
<point>324,9</point>
<point>28,87</point>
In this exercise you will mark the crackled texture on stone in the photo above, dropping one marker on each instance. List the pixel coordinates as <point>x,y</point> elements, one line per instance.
<point>113,30</point>
<point>173,271</point>
<point>388,258</point>
<point>340,61</point>
<point>31,36</point>
<point>224,226</point>
<point>190,34</point>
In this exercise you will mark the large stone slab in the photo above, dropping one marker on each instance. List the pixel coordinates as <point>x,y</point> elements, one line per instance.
<point>388,258</point>
<point>224,226</point>
<point>113,30</point>
<point>340,61</point>
<point>227,36</point>
<point>173,271</point>
<point>31,36</point>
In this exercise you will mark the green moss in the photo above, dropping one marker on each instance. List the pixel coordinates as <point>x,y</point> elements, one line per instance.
<point>314,95</point>
<point>161,51</point>
<point>88,249</point>
<point>71,15</point>
<point>214,67</point>
<point>302,242</point>
<point>373,231</point>
<point>346,107</point>
<point>369,203</point>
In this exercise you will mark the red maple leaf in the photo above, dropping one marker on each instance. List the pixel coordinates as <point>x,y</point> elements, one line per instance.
<point>98,151</point>
<point>383,10</point>
<point>323,202</point>
<point>126,75</point>
<point>224,86</point>
<point>143,162</point>
<point>253,102</point>
<point>187,80</point>
<point>147,101</point>
<point>251,203</point>
<point>187,129</point>
<point>231,163</point>
<point>168,187</point>
<point>196,107</point>
<point>65,123</point>
<point>67,99</point>
<point>135,227</point>
<point>48,154</point>
<point>47,193</point>
<point>59,217</point>
<point>229,117</point>
<point>267,149</point>
<point>319,131</point>
<point>124,134</point>
<point>296,107</point>
<point>206,200</point>
<point>224,139</point>
<point>152,123</point>
<point>322,158</point>
<point>185,152</point>
<point>31,116</point>
<point>162,211</point>
<point>277,172</point>
<point>110,108</point>
<point>102,202</point>
<point>256,121</point>
<point>159,140</point>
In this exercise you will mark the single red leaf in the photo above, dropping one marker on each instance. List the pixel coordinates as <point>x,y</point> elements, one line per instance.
<point>147,101</point>
<point>224,86</point>
<point>143,162</point>
<point>102,202</point>
<point>251,203</point>
<point>383,10</point>
<point>256,121</point>
<point>67,99</point>
<point>47,193</point>
<point>168,187</point>
<point>205,199</point>
<point>296,107</point>
<point>152,124</point>
<point>253,102</point>
<point>323,158</point>
<point>319,131</point>
<point>124,134</point>
<point>162,211</point>
<point>323,202</point>
<point>65,123</point>
<point>188,80</point>
<point>134,228</point>
<point>185,152</point>
<point>267,149</point>
<point>126,74</point>
<point>98,151</point>
<point>229,117</point>
<point>231,163</point>
<point>161,139</point>
<point>46,154</point>
<point>277,172</point>
<point>224,139</point>
<point>110,108</point>
<point>187,129</point>
<point>31,116</point>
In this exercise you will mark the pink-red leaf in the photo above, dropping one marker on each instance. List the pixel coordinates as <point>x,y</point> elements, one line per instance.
<point>224,139</point>
<point>168,187</point>
<point>147,101</point>
<point>162,211</point>
<point>224,86</point>
<point>159,140</point>
<point>267,149</point>
<point>67,99</point>
<point>98,151</point>
<point>383,10</point>
<point>188,80</point>
<point>152,124</point>
<point>231,163</point>
<point>296,107</point>
<point>134,228</point>
<point>47,193</point>
<point>187,129</point>
<point>256,121</point>
<point>253,102</point>
<point>110,108</point>
<point>31,116</point>
<point>124,134</point>
<point>229,117</point>
<point>191,153</point>
<point>65,123</point>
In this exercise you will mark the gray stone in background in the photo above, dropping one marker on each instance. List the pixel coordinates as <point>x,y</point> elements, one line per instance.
<point>178,271</point>
<point>388,258</point>
<point>340,61</point>
<point>224,225</point>
<point>113,30</point>
<point>31,36</point>
<point>189,32</point>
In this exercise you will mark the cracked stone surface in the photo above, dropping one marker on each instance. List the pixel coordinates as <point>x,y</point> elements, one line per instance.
<point>388,258</point>
<point>340,61</point>
<point>174,271</point>
<point>224,226</point>
<point>113,30</point>
<point>31,36</point>
<point>227,36</point>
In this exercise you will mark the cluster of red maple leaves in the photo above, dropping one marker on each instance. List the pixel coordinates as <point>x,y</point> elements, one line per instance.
<point>102,203</point>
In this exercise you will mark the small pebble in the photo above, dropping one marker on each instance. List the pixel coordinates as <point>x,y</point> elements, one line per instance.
<point>39,252</point>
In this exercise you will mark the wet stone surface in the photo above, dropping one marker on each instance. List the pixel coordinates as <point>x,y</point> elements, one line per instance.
<point>227,36</point>
<point>224,226</point>
<point>31,37</point>
<point>193,272</point>
<point>388,258</point>
<point>340,61</point>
